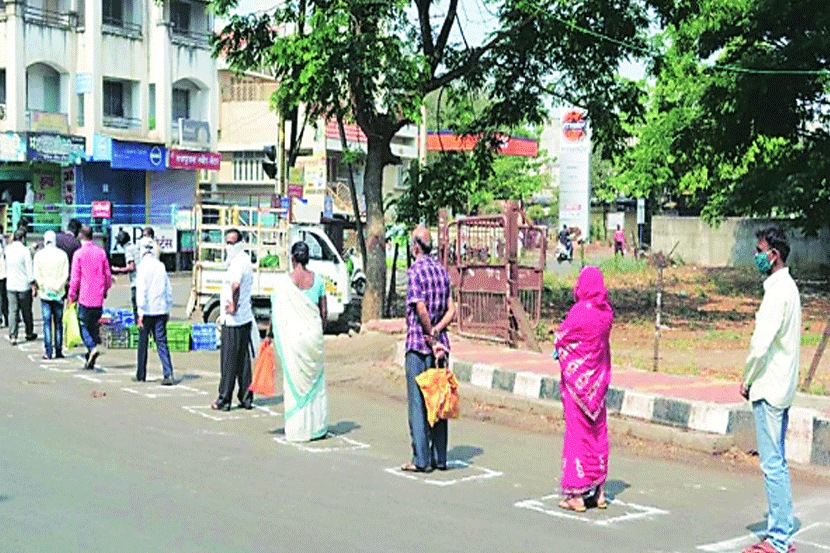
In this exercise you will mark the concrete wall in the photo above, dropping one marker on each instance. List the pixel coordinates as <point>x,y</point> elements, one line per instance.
<point>732,243</point>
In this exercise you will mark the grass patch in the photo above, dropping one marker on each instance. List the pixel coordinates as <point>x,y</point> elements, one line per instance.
<point>613,266</point>
<point>810,339</point>
<point>723,335</point>
<point>734,282</point>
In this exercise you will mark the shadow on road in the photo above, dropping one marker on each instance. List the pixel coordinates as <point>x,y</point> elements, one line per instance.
<point>268,401</point>
<point>613,488</point>
<point>464,453</point>
<point>4,498</point>
<point>343,427</point>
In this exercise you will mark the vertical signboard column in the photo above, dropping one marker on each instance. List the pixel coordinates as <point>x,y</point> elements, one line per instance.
<point>575,173</point>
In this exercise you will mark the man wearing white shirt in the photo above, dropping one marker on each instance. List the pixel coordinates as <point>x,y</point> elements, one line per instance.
<point>154,298</point>
<point>770,380</point>
<point>20,286</point>
<point>51,268</point>
<point>237,318</point>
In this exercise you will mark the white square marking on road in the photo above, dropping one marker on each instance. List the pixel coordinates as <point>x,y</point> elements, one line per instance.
<point>102,377</point>
<point>633,511</point>
<point>179,390</point>
<point>483,474</point>
<point>736,545</point>
<point>333,443</point>
<point>258,411</point>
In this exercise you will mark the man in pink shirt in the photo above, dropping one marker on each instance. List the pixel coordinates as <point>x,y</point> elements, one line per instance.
<point>619,241</point>
<point>89,284</point>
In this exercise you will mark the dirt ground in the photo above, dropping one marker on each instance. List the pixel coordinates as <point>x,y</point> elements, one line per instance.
<point>707,321</point>
<point>366,363</point>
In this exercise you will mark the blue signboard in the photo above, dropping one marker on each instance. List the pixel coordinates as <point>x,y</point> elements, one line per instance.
<point>138,156</point>
<point>83,83</point>
<point>56,148</point>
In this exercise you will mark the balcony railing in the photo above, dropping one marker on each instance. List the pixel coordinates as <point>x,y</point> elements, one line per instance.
<point>187,37</point>
<point>48,18</point>
<point>119,27</point>
<point>120,122</point>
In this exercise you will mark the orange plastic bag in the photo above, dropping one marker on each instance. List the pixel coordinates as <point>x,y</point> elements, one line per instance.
<point>440,390</point>
<point>262,382</point>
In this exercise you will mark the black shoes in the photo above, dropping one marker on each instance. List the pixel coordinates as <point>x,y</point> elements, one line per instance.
<point>217,406</point>
<point>31,337</point>
<point>168,381</point>
<point>248,404</point>
<point>136,379</point>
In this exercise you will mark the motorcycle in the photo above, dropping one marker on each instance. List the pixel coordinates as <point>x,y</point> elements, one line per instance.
<point>562,253</point>
<point>357,278</point>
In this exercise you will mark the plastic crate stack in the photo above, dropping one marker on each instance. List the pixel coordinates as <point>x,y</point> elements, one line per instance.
<point>204,336</point>
<point>178,337</point>
<point>114,335</point>
<point>126,317</point>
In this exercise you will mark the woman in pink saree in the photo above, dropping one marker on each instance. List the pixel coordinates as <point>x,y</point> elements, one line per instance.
<point>584,353</point>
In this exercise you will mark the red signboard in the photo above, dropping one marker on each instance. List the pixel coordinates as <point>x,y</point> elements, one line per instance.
<point>295,190</point>
<point>185,159</point>
<point>510,145</point>
<point>101,210</point>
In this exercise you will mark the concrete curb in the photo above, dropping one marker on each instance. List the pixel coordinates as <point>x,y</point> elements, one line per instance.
<point>808,435</point>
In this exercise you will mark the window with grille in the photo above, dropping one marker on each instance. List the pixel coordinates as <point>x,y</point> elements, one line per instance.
<point>247,167</point>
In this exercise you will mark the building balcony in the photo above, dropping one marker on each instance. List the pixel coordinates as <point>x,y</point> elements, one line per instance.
<point>189,38</point>
<point>48,18</point>
<point>121,122</point>
<point>118,27</point>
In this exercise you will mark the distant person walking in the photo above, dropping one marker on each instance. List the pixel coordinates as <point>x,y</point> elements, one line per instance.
<point>155,299</point>
<point>237,319</point>
<point>4,299</point>
<point>565,240</point>
<point>89,285</point>
<point>298,317</point>
<point>131,258</point>
<point>619,241</point>
<point>429,311</point>
<point>68,241</point>
<point>770,380</point>
<point>20,284</point>
<point>584,353</point>
<point>51,275</point>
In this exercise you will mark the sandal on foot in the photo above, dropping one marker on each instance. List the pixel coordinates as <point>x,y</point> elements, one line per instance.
<point>602,501</point>
<point>216,406</point>
<point>411,467</point>
<point>570,504</point>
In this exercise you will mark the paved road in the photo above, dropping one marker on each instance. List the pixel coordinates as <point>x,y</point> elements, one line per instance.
<point>146,468</point>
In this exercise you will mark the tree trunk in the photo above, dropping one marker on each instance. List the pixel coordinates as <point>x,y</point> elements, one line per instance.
<point>375,263</point>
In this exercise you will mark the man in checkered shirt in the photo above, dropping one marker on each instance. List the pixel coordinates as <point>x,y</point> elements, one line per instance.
<point>429,310</point>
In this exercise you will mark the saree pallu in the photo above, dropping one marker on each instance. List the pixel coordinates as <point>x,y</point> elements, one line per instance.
<point>298,335</point>
<point>585,449</point>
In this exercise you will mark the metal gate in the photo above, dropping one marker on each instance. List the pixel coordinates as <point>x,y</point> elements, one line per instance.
<point>496,264</point>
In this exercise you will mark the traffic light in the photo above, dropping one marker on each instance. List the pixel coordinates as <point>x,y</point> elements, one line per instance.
<point>269,164</point>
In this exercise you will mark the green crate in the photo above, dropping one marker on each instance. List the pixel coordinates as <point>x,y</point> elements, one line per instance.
<point>178,337</point>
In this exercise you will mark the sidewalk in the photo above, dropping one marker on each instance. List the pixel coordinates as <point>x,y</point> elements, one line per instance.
<point>682,402</point>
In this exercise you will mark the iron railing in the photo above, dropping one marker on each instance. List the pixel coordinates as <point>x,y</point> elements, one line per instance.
<point>47,18</point>
<point>117,26</point>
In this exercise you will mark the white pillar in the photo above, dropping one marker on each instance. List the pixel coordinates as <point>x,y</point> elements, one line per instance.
<point>93,101</point>
<point>16,68</point>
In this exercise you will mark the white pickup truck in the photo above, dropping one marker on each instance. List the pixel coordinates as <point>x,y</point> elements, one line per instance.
<point>268,237</point>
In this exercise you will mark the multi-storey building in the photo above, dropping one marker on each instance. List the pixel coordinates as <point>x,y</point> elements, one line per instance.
<point>109,100</point>
<point>247,125</point>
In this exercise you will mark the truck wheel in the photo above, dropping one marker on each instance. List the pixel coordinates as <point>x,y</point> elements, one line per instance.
<point>212,315</point>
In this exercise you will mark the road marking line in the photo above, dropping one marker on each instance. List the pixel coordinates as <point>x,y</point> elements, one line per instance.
<point>739,543</point>
<point>639,511</point>
<point>200,410</point>
<point>352,445</point>
<point>484,474</point>
<point>169,391</point>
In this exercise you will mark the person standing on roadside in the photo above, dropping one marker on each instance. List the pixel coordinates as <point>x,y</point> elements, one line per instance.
<point>68,241</point>
<point>237,317</point>
<point>429,311</point>
<point>619,241</point>
<point>89,285</point>
<point>155,298</point>
<point>20,286</point>
<point>4,299</point>
<point>131,259</point>
<point>770,380</point>
<point>51,274</point>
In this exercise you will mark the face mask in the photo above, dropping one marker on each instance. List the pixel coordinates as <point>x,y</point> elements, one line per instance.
<point>763,264</point>
<point>231,250</point>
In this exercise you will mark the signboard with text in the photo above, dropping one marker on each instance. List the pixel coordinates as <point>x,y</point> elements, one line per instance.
<point>101,209</point>
<point>165,236</point>
<point>185,159</point>
<point>12,146</point>
<point>194,133</point>
<point>138,156</point>
<point>575,172</point>
<point>56,148</point>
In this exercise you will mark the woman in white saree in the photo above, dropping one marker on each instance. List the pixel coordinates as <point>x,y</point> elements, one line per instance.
<point>298,314</point>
